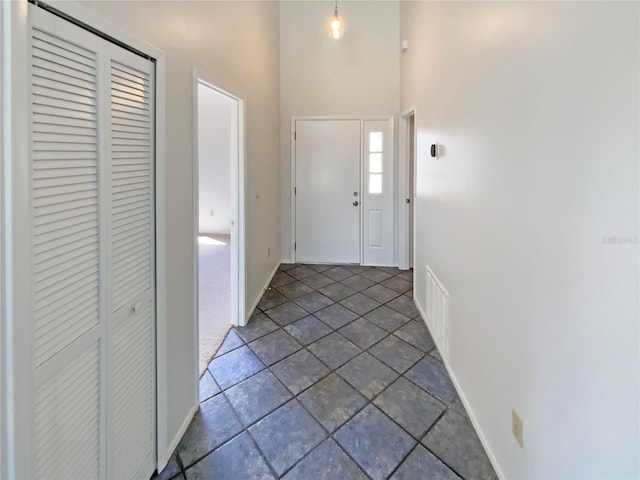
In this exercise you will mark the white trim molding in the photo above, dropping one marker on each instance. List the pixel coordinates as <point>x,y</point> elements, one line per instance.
<point>17,349</point>
<point>404,137</point>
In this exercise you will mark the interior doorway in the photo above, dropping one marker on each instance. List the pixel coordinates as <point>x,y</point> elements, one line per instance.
<point>411,185</point>
<point>406,200</point>
<point>219,187</point>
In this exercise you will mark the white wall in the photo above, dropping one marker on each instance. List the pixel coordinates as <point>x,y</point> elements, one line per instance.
<point>238,43</point>
<point>355,75</point>
<point>537,107</point>
<point>214,160</point>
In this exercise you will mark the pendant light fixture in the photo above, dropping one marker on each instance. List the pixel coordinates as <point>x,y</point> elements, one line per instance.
<point>336,24</point>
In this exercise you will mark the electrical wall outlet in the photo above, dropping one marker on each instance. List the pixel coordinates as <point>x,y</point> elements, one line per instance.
<point>516,426</point>
<point>212,213</point>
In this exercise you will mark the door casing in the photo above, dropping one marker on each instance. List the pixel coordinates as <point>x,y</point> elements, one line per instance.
<point>403,210</point>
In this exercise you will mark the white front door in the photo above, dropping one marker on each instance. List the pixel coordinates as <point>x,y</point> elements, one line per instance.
<point>327,191</point>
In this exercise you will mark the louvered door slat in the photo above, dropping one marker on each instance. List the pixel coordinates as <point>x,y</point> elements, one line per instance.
<point>72,288</point>
<point>82,297</point>
<point>124,224</point>
<point>126,198</point>
<point>66,224</point>
<point>129,117</point>
<point>59,201</point>
<point>60,243</point>
<point>124,85</point>
<point>120,72</point>
<point>68,273</point>
<point>63,49</point>
<point>45,170</point>
<point>131,281</point>
<point>67,97</point>
<point>45,62</point>
<point>122,130</point>
<point>42,56</point>
<point>53,206</point>
<point>140,229</point>
<point>57,121</point>
<point>130,170</point>
<point>136,236</point>
<point>125,122</point>
<point>62,117</point>
<point>69,92</point>
<point>63,77</point>
<point>68,136</point>
<point>131,215</point>
<point>72,246</point>
<point>44,164</point>
<point>126,189</point>
<point>48,49</point>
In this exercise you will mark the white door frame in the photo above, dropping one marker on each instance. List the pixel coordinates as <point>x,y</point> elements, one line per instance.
<point>3,331</point>
<point>16,455</point>
<point>238,192</point>
<point>403,185</point>
<point>362,119</point>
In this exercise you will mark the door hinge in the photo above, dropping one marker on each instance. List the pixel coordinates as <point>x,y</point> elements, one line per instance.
<point>295,190</point>
<point>295,135</point>
<point>295,245</point>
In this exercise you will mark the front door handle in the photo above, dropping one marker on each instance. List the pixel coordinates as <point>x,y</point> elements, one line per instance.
<point>356,203</point>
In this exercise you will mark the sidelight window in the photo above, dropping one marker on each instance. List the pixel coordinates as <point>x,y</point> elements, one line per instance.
<point>375,162</point>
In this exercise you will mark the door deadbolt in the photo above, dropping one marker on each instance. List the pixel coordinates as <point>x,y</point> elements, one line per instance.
<point>355,194</point>
<point>355,204</point>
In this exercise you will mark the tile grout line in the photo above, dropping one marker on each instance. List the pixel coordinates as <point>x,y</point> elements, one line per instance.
<point>331,434</point>
<point>304,347</point>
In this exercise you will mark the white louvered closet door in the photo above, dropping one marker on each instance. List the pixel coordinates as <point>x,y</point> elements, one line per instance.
<point>68,252</point>
<point>131,267</point>
<point>91,184</point>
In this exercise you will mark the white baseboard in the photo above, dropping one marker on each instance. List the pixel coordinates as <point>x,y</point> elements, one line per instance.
<point>287,261</point>
<point>463,398</point>
<point>180,433</point>
<point>218,232</point>
<point>257,300</point>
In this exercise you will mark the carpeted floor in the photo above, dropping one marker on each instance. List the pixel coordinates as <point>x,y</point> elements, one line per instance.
<point>214,293</point>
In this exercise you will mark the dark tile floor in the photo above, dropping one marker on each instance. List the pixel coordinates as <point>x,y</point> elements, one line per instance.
<point>335,377</point>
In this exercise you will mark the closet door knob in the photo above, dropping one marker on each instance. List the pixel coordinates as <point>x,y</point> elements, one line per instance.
<point>356,203</point>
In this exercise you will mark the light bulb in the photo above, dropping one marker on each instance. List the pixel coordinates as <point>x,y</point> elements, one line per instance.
<point>336,26</point>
